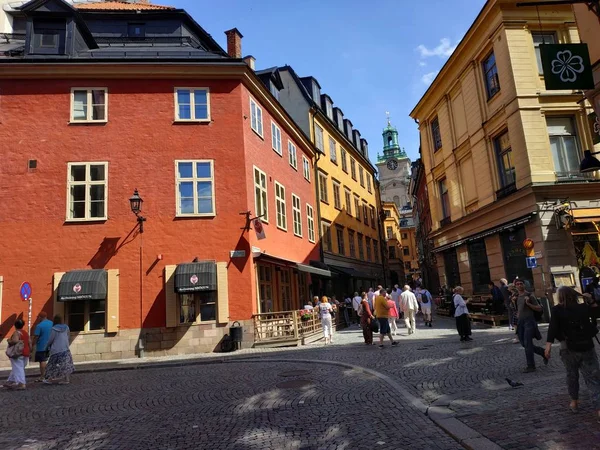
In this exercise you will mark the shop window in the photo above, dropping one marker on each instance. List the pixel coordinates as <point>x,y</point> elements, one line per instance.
<point>285,285</point>
<point>515,264</point>
<point>87,190</point>
<point>302,289</point>
<point>265,285</point>
<point>451,267</point>
<point>87,315</point>
<point>480,270</point>
<point>197,307</point>
<point>407,266</point>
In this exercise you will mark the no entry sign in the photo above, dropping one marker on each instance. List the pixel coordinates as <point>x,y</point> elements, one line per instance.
<point>25,291</point>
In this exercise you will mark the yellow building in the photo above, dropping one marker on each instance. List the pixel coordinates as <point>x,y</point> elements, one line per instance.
<point>347,189</point>
<point>408,241</point>
<point>501,156</point>
<point>393,245</point>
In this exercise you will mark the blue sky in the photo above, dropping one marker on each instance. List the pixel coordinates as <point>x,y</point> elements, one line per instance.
<point>369,56</point>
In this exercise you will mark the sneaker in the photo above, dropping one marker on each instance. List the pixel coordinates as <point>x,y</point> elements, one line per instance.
<point>381,346</point>
<point>468,338</point>
<point>529,369</point>
<point>395,343</point>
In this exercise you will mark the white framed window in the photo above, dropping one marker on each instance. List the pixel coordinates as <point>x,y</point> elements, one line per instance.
<point>195,188</point>
<point>368,247</point>
<point>261,204</point>
<point>332,151</point>
<point>297,215</point>
<point>256,121</point>
<point>369,184</point>
<point>310,221</point>
<point>352,243</point>
<point>353,168</point>
<point>87,315</point>
<point>344,160</point>
<point>192,104</point>
<point>306,168</point>
<point>357,208</point>
<point>323,192</point>
<point>348,196</point>
<point>337,195</point>
<point>276,138</point>
<point>361,175</point>
<point>89,105</point>
<point>327,241</point>
<point>564,146</point>
<point>292,155</point>
<point>280,206</point>
<point>197,307</point>
<point>87,191</point>
<point>319,138</point>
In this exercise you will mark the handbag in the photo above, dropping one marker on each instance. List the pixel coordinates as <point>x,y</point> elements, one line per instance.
<point>374,325</point>
<point>15,350</point>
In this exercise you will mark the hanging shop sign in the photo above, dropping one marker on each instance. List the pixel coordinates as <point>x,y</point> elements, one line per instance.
<point>567,66</point>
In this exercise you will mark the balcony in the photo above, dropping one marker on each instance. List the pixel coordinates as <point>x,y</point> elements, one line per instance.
<point>445,221</point>
<point>506,191</point>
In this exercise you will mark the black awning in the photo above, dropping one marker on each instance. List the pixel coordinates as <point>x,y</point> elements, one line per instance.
<point>196,277</point>
<point>83,285</point>
<point>350,272</point>
<point>314,270</point>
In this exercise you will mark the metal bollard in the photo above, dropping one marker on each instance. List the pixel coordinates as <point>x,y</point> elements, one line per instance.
<point>141,347</point>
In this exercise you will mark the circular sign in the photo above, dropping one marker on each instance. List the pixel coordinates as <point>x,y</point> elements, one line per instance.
<point>258,226</point>
<point>25,291</point>
<point>528,244</point>
<point>193,279</point>
<point>77,288</point>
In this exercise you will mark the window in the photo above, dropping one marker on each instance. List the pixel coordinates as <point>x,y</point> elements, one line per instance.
<point>261,204</point>
<point>541,38</point>
<point>351,244</point>
<point>310,219</point>
<point>292,156</point>
<point>326,230</point>
<point>445,199</point>
<point>329,109</point>
<point>365,214</point>
<point>256,122</point>
<point>192,104</point>
<point>361,175</point>
<point>353,168</point>
<point>306,168</point>
<point>195,188</point>
<point>265,287</point>
<point>280,206</point>
<point>49,37</point>
<point>452,269</point>
<point>197,307</point>
<point>389,232</point>
<point>348,196</point>
<point>435,133</point>
<point>480,270</point>
<point>515,263</point>
<point>357,207</point>
<point>490,71</point>
<point>285,286</point>
<point>339,231</point>
<point>89,105</point>
<point>406,251</point>
<point>87,191</point>
<point>361,250</point>
<point>319,138</point>
<point>87,315</point>
<point>407,265</point>
<point>337,196</point>
<point>392,252</point>
<point>404,236</point>
<point>387,213</point>
<point>136,30</point>
<point>565,150</point>
<point>504,156</point>
<point>372,216</point>
<point>369,184</point>
<point>332,151</point>
<point>297,215</point>
<point>376,251</point>
<point>368,246</point>
<point>276,138</point>
<point>274,90</point>
<point>343,155</point>
<point>323,195</point>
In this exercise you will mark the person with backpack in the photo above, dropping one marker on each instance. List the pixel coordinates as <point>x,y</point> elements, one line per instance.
<point>461,315</point>
<point>425,299</point>
<point>528,309</point>
<point>366,318</point>
<point>18,351</point>
<point>574,325</point>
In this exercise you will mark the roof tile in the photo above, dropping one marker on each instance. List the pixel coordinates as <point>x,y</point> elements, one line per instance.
<point>116,5</point>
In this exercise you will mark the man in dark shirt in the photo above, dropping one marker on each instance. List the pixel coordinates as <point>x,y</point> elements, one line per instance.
<point>497,298</point>
<point>528,329</point>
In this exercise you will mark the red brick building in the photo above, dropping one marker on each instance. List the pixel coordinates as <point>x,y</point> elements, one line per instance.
<point>89,115</point>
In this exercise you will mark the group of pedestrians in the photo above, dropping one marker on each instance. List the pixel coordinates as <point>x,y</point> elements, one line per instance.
<point>51,344</point>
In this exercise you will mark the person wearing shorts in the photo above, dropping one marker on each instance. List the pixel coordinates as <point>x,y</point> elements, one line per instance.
<point>40,341</point>
<point>382,311</point>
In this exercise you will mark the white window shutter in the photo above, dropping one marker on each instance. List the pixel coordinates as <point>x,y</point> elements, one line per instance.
<point>170,296</point>
<point>112,302</point>
<point>58,308</point>
<point>222,293</point>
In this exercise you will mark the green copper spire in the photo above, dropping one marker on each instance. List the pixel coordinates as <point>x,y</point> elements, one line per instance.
<point>391,147</point>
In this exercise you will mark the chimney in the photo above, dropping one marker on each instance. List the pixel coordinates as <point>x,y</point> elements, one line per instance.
<point>234,43</point>
<point>249,60</point>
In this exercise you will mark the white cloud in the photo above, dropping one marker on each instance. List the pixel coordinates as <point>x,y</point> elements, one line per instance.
<point>422,64</point>
<point>428,77</point>
<point>443,50</point>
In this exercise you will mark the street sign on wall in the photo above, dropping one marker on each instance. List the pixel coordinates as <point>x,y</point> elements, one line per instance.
<point>531,262</point>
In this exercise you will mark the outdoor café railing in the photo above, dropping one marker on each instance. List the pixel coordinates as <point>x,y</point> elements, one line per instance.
<point>285,325</point>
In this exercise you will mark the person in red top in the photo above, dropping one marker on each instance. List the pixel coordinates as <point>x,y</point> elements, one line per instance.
<point>16,379</point>
<point>366,315</point>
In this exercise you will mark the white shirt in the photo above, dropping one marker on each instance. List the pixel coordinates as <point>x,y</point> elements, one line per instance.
<point>460,305</point>
<point>356,302</point>
<point>408,301</point>
<point>370,296</point>
<point>325,310</point>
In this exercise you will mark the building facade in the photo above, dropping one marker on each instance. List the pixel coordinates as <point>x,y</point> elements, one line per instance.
<point>393,167</point>
<point>115,99</point>
<point>348,206</point>
<point>501,156</point>
<point>408,239</point>
<point>393,252</point>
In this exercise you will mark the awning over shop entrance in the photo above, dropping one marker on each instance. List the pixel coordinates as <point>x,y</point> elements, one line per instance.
<point>314,270</point>
<point>196,277</point>
<point>350,272</point>
<point>83,285</point>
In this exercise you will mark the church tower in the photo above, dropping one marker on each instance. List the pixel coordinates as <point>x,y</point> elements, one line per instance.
<point>394,169</point>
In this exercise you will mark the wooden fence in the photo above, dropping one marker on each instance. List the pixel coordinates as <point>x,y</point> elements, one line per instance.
<point>287,327</point>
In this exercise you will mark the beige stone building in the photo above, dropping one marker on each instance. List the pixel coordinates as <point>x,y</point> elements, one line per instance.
<point>501,157</point>
<point>391,227</point>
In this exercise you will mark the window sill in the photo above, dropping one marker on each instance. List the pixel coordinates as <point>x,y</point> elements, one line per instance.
<point>339,208</point>
<point>276,151</point>
<point>493,96</point>
<point>88,122</point>
<point>92,220</point>
<point>445,221</point>
<point>281,228</point>
<point>194,216</point>
<point>506,191</point>
<point>76,333</point>
<point>258,134</point>
<point>325,201</point>
<point>298,235</point>
<point>195,324</point>
<point>334,161</point>
<point>294,167</point>
<point>181,121</point>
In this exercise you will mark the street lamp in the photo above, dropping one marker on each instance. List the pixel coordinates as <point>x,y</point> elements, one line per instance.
<point>589,163</point>
<point>135,201</point>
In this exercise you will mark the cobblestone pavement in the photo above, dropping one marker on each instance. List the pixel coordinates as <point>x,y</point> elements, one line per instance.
<point>264,405</point>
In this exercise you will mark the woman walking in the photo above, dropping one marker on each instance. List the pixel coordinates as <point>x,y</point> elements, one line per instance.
<point>325,310</point>
<point>393,316</point>
<point>60,364</point>
<point>463,325</point>
<point>366,316</point>
<point>18,351</point>
<point>574,325</point>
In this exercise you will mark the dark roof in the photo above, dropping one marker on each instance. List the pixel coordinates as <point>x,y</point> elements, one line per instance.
<point>272,73</point>
<point>113,5</point>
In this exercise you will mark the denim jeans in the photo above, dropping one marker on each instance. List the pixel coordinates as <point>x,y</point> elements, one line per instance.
<point>527,330</point>
<point>587,363</point>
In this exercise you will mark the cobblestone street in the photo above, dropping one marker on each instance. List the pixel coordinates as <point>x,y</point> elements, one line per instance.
<point>346,395</point>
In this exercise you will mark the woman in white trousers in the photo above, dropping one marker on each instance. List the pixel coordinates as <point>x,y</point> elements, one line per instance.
<point>325,310</point>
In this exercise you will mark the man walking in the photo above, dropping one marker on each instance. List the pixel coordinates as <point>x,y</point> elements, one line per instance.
<point>497,298</point>
<point>40,342</point>
<point>409,307</point>
<point>528,329</point>
<point>382,311</point>
<point>355,305</point>
<point>425,299</point>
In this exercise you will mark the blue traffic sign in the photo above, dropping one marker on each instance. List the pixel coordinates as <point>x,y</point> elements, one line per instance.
<point>531,262</point>
<point>25,291</point>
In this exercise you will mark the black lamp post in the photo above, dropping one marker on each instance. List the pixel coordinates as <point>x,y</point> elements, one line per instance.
<point>589,163</point>
<point>135,201</point>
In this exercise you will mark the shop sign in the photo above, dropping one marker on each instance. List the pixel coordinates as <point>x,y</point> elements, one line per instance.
<point>567,66</point>
<point>237,254</point>
<point>594,122</point>
<point>259,229</point>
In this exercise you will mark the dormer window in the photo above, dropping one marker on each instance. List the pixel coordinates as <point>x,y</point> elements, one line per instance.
<point>136,30</point>
<point>316,92</point>
<point>49,37</point>
<point>274,90</point>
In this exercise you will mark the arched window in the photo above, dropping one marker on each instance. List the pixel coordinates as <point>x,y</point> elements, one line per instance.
<point>397,200</point>
<point>390,140</point>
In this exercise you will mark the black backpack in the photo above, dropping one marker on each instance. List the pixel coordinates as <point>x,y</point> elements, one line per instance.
<point>579,331</point>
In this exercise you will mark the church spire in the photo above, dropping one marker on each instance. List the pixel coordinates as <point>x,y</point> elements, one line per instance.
<point>391,146</point>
